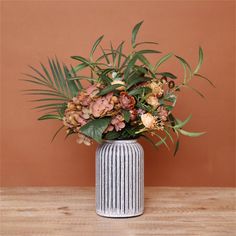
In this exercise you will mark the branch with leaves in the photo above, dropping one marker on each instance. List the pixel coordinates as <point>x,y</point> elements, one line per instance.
<point>127,96</point>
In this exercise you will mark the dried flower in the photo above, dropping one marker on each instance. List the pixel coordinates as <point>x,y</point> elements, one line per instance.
<point>127,101</point>
<point>120,88</point>
<point>162,113</point>
<point>156,88</point>
<point>171,84</point>
<point>83,139</point>
<point>102,105</point>
<point>148,120</point>
<point>152,100</point>
<point>118,122</point>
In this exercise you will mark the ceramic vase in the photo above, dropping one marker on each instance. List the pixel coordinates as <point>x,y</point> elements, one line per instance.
<point>119,178</point>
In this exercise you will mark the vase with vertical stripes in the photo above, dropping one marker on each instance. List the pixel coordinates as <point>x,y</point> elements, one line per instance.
<point>119,178</point>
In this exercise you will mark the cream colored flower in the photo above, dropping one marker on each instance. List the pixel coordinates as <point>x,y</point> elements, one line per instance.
<point>83,139</point>
<point>156,88</point>
<point>119,82</point>
<point>148,120</point>
<point>152,100</point>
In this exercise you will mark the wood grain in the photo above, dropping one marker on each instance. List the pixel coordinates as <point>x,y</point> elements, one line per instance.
<point>71,211</point>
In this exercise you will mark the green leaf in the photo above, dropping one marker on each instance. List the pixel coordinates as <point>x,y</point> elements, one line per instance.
<point>140,91</point>
<point>47,74</point>
<point>200,61</point>
<point>50,116</point>
<point>112,135</point>
<point>162,60</point>
<point>109,89</point>
<point>105,55</point>
<point>148,139</point>
<point>148,42</point>
<point>40,74</point>
<point>191,134</point>
<point>145,61</point>
<point>135,81</point>
<point>162,141</point>
<point>135,32</point>
<point>182,123</point>
<point>80,67</point>
<point>113,54</point>
<point>97,42</point>
<point>126,115</point>
<point>146,51</point>
<point>195,90</point>
<point>129,67</point>
<point>95,128</point>
<point>176,147</point>
<point>185,66</point>
<point>57,132</point>
<point>169,135</point>
<point>203,77</point>
<point>167,74</point>
<point>119,49</point>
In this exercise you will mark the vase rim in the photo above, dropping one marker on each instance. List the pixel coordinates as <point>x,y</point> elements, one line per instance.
<point>120,141</point>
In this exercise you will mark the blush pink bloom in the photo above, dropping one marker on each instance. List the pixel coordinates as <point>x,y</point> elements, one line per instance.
<point>118,122</point>
<point>92,90</point>
<point>162,113</point>
<point>102,105</point>
<point>109,128</point>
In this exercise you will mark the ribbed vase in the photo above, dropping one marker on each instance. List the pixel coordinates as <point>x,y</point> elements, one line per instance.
<point>120,178</point>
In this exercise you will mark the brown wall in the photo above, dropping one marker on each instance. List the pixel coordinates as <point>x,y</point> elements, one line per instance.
<point>33,30</point>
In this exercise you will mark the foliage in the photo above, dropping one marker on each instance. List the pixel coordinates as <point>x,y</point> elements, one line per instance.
<point>127,96</point>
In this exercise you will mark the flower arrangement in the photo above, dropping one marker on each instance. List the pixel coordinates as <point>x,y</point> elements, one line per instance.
<point>115,96</point>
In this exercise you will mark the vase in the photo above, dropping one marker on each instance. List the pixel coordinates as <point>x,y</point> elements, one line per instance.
<point>119,178</point>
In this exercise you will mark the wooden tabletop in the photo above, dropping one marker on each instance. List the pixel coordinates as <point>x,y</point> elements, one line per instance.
<point>63,211</point>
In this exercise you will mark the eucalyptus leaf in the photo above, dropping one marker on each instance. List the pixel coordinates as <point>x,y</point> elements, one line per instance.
<point>109,89</point>
<point>200,61</point>
<point>135,32</point>
<point>97,42</point>
<point>203,77</point>
<point>182,123</point>
<point>50,116</point>
<point>191,134</point>
<point>162,60</point>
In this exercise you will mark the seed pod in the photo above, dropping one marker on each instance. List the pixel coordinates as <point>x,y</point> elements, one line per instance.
<point>171,84</point>
<point>163,80</point>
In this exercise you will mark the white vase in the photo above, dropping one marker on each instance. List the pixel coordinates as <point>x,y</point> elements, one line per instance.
<point>119,178</point>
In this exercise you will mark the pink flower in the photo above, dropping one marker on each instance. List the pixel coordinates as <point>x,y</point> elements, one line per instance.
<point>109,128</point>
<point>140,111</point>
<point>92,90</point>
<point>127,101</point>
<point>102,105</point>
<point>162,113</point>
<point>133,114</point>
<point>118,122</point>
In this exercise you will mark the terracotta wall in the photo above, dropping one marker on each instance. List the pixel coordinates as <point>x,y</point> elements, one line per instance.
<point>34,30</point>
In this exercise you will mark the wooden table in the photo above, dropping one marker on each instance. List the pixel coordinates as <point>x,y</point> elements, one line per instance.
<point>63,211</point>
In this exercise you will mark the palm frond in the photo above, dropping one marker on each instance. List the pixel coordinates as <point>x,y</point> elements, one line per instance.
<point>54,87</point>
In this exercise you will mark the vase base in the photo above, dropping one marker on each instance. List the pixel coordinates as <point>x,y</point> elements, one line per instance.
<point>116,215</point>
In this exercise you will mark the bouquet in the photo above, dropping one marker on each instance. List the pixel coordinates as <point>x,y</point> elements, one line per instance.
<point>115,96</point>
